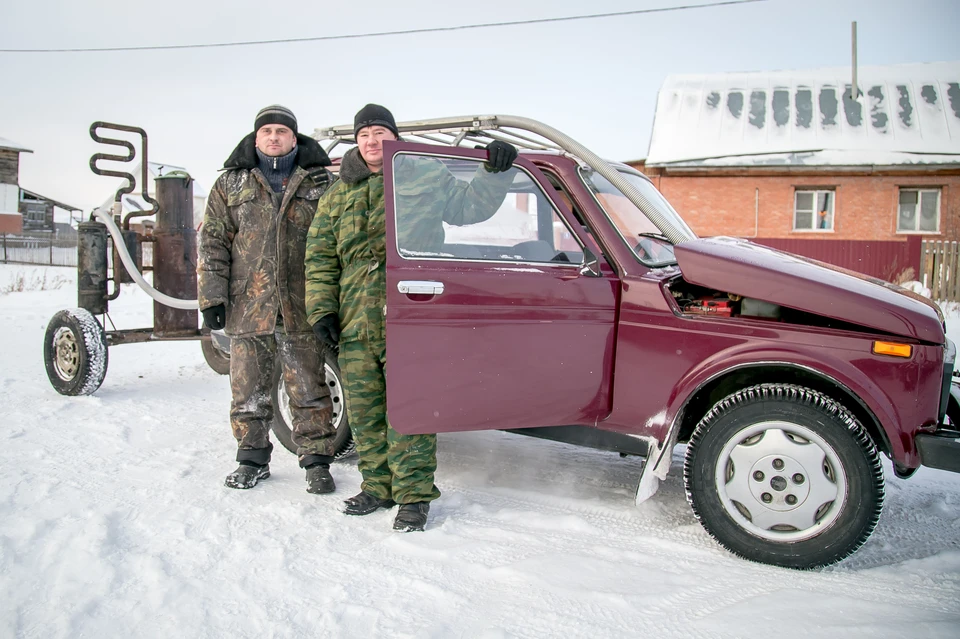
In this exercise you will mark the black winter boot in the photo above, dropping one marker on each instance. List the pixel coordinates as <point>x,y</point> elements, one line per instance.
<point>319,479</point>
<point>247,475</point>
<point>365,503</point>
<point>412,517</point>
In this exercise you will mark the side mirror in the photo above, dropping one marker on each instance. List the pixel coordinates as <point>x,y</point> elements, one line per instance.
<point>590,266</point>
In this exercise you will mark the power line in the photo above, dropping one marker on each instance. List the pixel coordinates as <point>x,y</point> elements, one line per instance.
<point>378,34</point>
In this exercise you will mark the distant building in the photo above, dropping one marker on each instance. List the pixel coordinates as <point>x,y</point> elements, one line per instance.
<point>10,219</point>
<point>23,211</point>
<point>792,160</point>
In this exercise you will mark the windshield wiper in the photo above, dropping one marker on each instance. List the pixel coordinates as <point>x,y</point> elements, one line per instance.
<point>656,236</point>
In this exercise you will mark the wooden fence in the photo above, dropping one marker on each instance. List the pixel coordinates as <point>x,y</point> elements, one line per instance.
<point>16,249</point>
<point>940,269</point>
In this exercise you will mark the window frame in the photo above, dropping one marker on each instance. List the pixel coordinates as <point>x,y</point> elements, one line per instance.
<point>816,192</point>
<point>919,190</point>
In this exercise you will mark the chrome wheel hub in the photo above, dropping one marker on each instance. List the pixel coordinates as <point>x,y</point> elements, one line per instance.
<point>67,354</point>
<point>781,481</point>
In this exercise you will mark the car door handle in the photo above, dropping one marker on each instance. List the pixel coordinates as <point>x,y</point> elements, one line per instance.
<point>420,287</point>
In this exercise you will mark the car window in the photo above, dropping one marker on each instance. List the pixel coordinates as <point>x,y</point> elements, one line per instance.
<point>452,208</point>
<point>642,236</point>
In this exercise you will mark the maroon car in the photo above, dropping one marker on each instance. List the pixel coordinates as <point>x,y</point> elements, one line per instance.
<point>586,311</point>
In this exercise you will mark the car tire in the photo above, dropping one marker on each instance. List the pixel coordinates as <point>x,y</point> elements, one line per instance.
<point>215,358</point>
<point>75,352</point>
<point>282,423</point>
<point>784,475</point>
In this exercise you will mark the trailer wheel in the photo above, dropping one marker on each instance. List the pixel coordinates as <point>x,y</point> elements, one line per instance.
<point>283,422</point>
<point>784,475</point>
<point>215,358</point>
<point>75,352</point>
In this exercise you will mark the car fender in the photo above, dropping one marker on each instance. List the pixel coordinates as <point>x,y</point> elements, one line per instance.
<point>832,369</point>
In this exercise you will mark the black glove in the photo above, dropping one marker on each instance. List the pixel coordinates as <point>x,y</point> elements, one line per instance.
<point>500,156</point>
<point>327,330</point>
<point>215,317</point>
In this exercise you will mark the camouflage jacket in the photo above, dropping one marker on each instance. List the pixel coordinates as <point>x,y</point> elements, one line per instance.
<point>346,246</point>
<point>251,252</point>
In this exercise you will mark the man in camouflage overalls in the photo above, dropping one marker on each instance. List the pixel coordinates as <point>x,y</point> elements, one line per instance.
<point>251,284</point>
<point>346,287</point>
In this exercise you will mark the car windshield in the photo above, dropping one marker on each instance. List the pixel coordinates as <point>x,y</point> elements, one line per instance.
<point>643,237</point>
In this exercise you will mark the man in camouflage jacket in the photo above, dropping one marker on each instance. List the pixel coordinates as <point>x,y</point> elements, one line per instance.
<point>251,284</point>
<point>346,286</point>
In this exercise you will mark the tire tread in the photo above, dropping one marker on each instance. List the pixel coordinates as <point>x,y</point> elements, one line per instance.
<point>804,396</point>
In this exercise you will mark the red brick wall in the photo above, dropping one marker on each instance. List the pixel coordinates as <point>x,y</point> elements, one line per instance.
<point>865,208</point>
<point>11,223</point>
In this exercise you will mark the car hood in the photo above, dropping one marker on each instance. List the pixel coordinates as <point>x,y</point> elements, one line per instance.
<point>751,270</point>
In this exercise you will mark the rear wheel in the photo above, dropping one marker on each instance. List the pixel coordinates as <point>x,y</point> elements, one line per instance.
<point>75,352</point>
<point>283,421</point>
<point>215,358</point>
<point>784,475</point>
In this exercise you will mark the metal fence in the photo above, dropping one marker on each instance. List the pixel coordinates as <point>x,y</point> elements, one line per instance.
<point>890,260</point>
<point>16,249</point>
<point>940,269</point>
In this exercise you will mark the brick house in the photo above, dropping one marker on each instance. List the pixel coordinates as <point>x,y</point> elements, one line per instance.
<point>23,211</point>
<point>789,159</point>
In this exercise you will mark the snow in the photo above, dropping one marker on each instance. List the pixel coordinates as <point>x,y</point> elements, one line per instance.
<point>114,521</point>
<point>907,114</point>
<point>13,146</point>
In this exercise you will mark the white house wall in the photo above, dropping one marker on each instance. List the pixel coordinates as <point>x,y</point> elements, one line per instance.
<point>9,198</point>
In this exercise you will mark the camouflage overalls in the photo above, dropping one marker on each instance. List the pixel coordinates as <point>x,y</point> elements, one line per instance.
<point>251,252</point>
<point>346,274</point>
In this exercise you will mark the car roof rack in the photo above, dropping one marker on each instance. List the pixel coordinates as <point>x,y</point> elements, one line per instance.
<point>523,133</point>
<point>467,132</point>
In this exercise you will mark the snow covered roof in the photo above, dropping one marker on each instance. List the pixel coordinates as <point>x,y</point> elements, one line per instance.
<point>907,114</point>
<point>157,170</point>
<point>13,146</point>
<point>37,196</point>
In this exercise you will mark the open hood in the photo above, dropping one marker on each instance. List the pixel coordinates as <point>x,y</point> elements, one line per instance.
<point>751,270</point>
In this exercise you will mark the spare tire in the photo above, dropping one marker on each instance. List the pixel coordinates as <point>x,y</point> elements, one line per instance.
<point>283,423</point>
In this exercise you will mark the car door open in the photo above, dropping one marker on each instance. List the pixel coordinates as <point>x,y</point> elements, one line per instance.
<point>490,322</point>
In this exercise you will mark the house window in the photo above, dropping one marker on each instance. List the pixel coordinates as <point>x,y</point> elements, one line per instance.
<point>813,210</point>
<point>36,212</point>
<point>919,211</point>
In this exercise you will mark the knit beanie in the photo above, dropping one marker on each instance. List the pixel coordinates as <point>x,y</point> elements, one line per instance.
<point>275,114</point>
<point>374,115</point>
<point>277,169</point>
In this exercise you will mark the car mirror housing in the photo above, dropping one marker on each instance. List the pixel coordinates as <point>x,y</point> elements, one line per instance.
<point>590,266</point>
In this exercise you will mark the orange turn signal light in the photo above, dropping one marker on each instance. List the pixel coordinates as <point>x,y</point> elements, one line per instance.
<point>892,348</point>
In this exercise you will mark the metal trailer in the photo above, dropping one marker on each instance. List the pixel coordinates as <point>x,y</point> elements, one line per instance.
<point>75,345</point>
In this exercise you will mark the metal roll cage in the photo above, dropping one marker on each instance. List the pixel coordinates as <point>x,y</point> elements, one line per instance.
<point>474,130</point>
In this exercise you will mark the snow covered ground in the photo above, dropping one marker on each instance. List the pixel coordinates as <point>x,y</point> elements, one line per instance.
<point>114,522</point>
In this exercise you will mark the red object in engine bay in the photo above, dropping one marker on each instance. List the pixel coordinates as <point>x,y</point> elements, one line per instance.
<point>710,306</point>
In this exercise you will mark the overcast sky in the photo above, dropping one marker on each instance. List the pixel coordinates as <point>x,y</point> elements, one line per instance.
<point>594,79</point>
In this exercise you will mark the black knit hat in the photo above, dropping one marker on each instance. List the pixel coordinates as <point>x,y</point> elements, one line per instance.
<point>374,115</point>
<point>276,114</point>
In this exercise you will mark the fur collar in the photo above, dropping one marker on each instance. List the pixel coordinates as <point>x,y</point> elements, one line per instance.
<point>309,154</point>
<point>353,168</point>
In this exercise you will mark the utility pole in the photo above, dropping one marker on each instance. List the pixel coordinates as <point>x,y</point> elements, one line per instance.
<point>854,87</point>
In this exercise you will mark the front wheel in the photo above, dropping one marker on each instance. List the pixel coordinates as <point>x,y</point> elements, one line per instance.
<point>75,352</point>
<point>784,475</point>
<point>283,421</point>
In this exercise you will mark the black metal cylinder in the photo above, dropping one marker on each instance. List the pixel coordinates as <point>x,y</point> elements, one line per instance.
<point>92,267</point>
<point>131,240</point>
<point>175,255</point>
